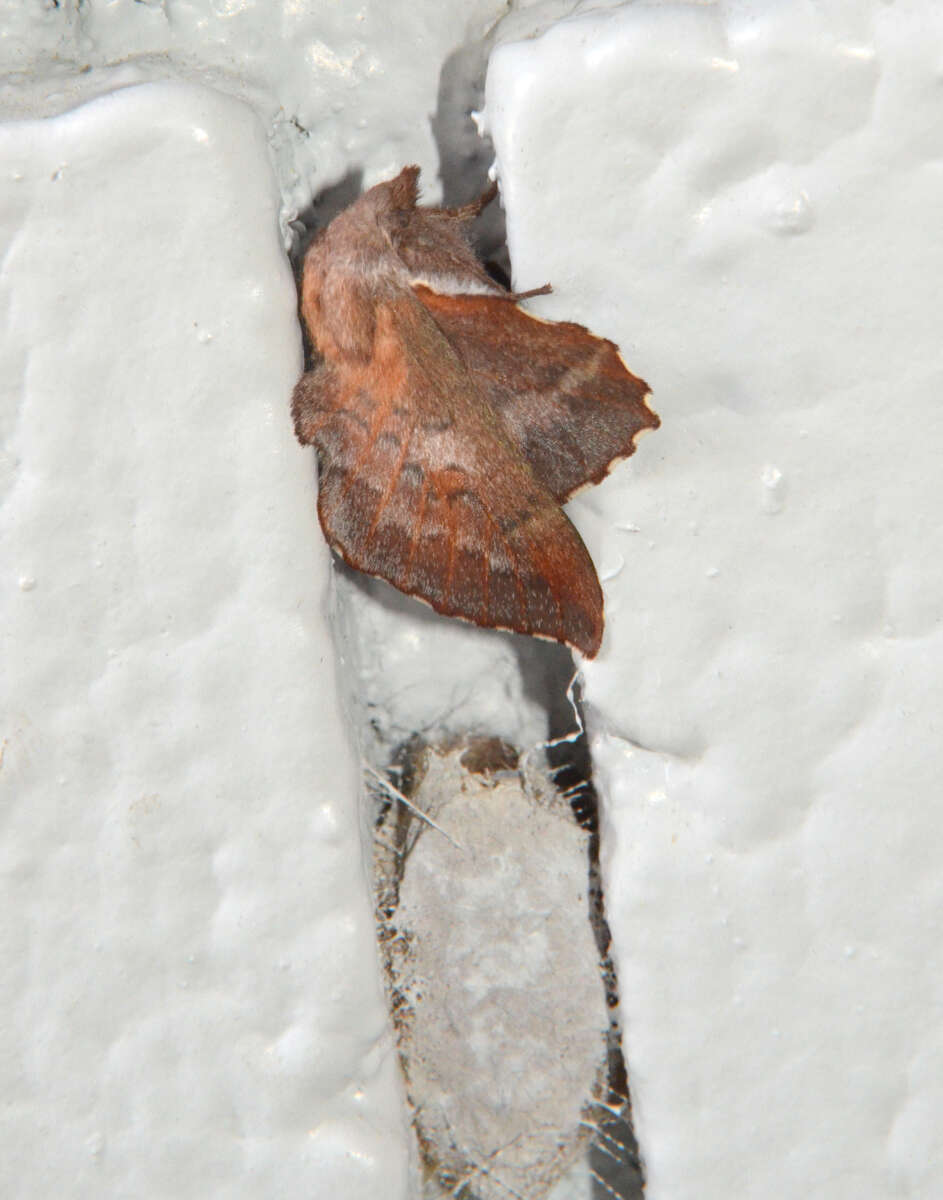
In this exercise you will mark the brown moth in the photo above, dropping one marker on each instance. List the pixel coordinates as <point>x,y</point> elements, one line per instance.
<point>451,424</point>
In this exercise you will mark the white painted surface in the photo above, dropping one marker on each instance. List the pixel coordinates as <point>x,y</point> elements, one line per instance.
<point>416,671</point>
<point>747,198</point>
<point>189,982</point>
<point>338,87</point>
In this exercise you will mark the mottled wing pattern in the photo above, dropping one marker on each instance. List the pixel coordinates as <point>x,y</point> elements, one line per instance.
<point>566,399</point>
<point>421,487</point>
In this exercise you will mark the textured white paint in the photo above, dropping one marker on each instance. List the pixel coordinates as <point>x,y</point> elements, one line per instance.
<point>189,979</point>
<point>339,87</point>
<point>747,198</point>
<point>416,671</point>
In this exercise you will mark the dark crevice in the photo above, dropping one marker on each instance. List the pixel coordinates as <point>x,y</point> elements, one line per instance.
<point>547,670</point>
<point>613,1154</point>
<point>464,157</point>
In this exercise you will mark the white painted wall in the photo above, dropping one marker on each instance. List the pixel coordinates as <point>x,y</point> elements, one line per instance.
<point>190,997</point>
<point>748,201</point>
<point>745,196</point>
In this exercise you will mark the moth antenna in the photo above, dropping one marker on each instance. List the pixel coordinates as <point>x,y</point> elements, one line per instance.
<point>468,212</point>
<point>541,291</point>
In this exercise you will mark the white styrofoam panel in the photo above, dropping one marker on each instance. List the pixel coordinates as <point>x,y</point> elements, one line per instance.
<point>189,977</point>
<point>746,197</point>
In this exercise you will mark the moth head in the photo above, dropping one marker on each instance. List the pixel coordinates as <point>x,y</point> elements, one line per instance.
<point>393,205</point>
<point>353,262</point>
<point>361,237</point>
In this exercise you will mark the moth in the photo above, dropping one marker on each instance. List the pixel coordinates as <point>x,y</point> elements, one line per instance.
<point>451,424</point>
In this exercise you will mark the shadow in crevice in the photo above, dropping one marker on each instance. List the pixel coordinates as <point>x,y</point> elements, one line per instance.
<point>464,156</point>
<point>546,669</point>
<point>324,207</point>
<point>613,1157</point>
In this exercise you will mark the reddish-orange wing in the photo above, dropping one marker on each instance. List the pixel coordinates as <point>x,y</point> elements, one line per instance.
<point>451,423</point>
<point>421,486</point>
<point>566,399</point>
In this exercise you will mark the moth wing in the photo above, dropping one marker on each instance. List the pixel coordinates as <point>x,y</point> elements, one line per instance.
<point>420,486</point>
<point>565,397</point>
